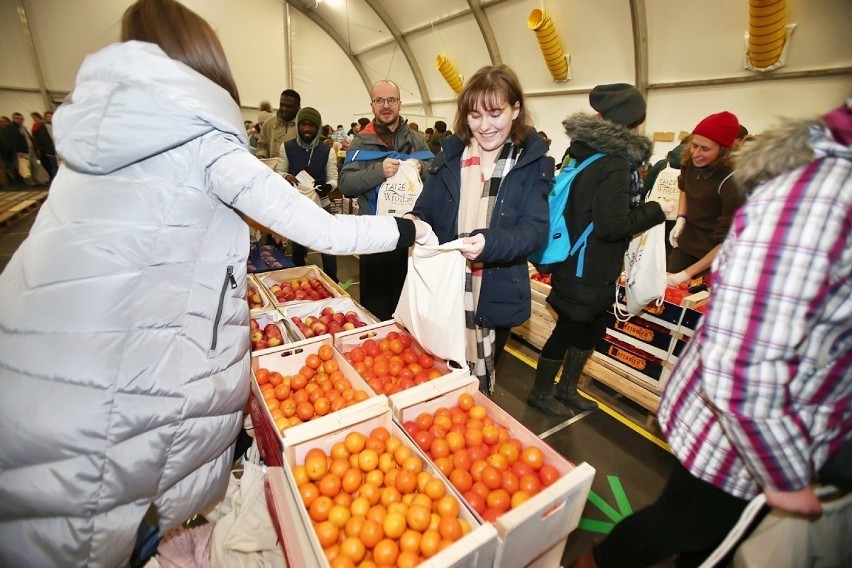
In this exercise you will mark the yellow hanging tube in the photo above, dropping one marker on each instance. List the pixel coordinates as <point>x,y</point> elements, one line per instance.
<point>450,73</point>
<point>767,31</point>
<point>548,41</point>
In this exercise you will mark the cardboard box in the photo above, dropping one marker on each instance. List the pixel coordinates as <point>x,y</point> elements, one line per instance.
<point>666,315</point>
<point>545,520</point>
<point>287,360</point>
<point>477,549</point>
<point>267,279</point>
<point>642,333</point>
<point>638,363</point>
<point>304,309</point>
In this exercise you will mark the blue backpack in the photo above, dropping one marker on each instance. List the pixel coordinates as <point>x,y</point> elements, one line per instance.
<point>559,247</point>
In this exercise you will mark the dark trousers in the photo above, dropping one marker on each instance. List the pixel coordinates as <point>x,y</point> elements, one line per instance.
<point>569,333</point>
<point>329,261</point>
<point>382,276</point>
<point>689,519</point>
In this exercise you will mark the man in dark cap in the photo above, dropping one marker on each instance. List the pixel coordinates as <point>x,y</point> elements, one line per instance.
<point>310,167</point>
<point>605,196</point>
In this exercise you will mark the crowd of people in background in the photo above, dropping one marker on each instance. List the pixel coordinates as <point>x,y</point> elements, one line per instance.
<point>28,155</point>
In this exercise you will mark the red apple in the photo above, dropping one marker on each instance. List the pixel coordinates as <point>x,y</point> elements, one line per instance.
<point>274,341</point>
<point>258,345</point>
<point>327,311</point>
<point>348,325</point>
<point>253,325</point>
<point>319,328</point>
<point>256,335</point>
<point>272,330</point>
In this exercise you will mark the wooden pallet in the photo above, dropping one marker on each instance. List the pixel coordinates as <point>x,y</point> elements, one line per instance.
<point>15,205</point>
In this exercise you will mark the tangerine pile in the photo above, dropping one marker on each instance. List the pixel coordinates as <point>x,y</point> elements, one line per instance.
<point>390,365</point>
<point>371,503</point>
<point>317,389</point>
<point>492,470</point>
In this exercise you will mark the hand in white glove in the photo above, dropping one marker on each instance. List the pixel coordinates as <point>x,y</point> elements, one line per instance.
<point>422,231</point>
<point>473,246</point>
<point>678,278</point>
<point>676,231</point>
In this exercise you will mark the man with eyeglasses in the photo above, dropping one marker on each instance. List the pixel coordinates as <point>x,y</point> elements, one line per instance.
<point>381,275</point>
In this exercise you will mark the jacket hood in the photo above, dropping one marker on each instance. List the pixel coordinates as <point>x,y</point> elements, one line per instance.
<point>131,101</point>
<point>792,145</point>
<point>608,137</point>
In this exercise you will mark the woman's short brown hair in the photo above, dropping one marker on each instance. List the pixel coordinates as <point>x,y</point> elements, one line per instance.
<point>491,86</point>
<point>183,35</point>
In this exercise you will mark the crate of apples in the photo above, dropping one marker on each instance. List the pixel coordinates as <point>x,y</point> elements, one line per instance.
<point>256,299</point>
<point>300,284</point>
<point>266,330</point>
<point>370,498</point>
<point>389,358</point>
<point>305,381</point>
<point>332,316</point>
<point>504,472</point>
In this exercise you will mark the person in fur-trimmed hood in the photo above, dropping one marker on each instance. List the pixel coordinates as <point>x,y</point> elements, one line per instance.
<point>607,192</point>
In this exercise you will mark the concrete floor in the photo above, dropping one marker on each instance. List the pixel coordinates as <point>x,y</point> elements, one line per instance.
<point>617,447</point>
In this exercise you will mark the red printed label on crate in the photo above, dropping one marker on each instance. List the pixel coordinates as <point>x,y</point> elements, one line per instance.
<point>634,361</point>
<point>636,331</point>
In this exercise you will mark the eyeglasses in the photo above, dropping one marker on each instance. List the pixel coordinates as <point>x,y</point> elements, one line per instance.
<point>391,101</point>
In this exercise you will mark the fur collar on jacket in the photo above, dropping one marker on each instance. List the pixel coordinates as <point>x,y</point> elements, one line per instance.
<point>776,152</point>
<point>608,137</point>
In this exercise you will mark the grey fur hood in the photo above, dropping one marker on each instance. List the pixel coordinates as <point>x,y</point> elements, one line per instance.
<point>608,137</point>
<point>777,151</point>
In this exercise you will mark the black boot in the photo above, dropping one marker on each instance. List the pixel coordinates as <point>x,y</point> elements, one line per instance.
<point>541,395</point>
<point>566,389</point>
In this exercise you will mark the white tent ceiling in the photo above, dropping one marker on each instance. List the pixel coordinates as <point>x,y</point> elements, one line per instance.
<point>688,56</point>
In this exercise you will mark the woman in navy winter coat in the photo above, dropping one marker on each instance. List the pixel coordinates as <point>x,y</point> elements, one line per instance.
<point>489,184</point>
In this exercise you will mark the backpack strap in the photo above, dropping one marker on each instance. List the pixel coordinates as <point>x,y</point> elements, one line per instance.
<point>581,244</point>
<point>583,240</point>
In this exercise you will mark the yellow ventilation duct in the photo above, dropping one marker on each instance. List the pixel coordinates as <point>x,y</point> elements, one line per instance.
<point>548,41</point>
<point>767,31</point>
<point>450,73</point>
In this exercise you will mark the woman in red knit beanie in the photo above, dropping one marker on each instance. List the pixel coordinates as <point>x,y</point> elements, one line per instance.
<point>709,199</point>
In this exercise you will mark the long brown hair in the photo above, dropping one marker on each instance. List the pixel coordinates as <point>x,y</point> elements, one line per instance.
<point>183,35</point>
<point>491,85</point>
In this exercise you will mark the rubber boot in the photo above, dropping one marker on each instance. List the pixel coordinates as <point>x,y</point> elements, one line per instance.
<point>566,389</point>
<point>541,395</point>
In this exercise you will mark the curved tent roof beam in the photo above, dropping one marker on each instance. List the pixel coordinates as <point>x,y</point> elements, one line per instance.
<point>337,38</point>
<point>485,29</point>
<point>406,51</point>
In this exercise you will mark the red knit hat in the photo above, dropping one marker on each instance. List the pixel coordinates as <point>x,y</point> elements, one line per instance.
<point>722,128</point>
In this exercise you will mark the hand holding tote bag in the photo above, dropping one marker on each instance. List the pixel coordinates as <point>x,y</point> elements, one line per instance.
<point>431,305</point>
<point>645,272</point>
<point>398,194</point>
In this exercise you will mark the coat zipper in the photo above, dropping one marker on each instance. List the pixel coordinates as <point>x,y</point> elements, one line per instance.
<point>229,278</point>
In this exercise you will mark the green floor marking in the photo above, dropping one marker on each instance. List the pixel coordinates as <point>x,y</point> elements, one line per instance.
<point>621,502</point>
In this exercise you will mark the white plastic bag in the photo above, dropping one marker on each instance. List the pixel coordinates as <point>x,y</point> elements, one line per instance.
<point>399,192</point>
<point>645,272</point>
<point>243,536</point>
<point>788,541</point>
<point>431,305</point>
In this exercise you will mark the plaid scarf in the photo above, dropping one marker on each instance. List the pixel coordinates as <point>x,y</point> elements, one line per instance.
<point>478,194</point>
